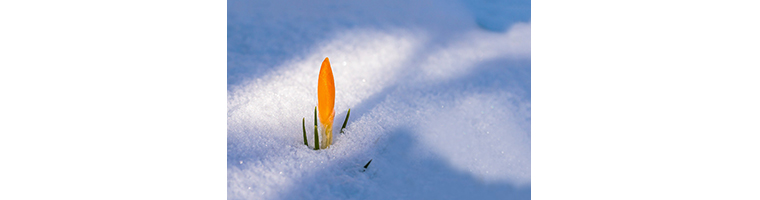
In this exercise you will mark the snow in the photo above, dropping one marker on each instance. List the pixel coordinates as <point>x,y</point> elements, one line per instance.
<point>439,95</point>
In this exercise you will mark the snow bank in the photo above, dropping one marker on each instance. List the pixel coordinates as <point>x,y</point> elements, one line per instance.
<point>440,103</point>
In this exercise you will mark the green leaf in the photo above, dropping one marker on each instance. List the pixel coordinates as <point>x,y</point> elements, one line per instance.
<point>303,124</point>
<point>345,121</point>
<point>316,134</point>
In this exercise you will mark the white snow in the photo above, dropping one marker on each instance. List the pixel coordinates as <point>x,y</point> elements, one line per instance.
<point>439,101</point>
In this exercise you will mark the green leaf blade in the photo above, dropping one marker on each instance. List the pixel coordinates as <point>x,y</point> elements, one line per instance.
<point>303,124</point>
<point>316,134</point>
<point>345,121</point>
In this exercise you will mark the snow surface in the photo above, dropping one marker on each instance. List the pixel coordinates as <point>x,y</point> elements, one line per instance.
<point>439,93</point>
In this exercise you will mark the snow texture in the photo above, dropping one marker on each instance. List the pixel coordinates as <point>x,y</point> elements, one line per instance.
<point>439,93</point>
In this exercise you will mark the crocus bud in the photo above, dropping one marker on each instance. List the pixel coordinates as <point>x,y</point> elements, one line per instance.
<point>326,102</point>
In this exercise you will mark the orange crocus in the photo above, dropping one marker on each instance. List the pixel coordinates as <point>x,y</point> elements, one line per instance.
<point>326,102</point>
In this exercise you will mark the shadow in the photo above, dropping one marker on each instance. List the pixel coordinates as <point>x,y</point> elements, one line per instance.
<point>512,75</point>
<point>401,169</point>
<point>498,15</point>
<point>263,35</point>
<point>490,76</point>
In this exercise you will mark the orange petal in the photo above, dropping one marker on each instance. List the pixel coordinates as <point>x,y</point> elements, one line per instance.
<point>326,94</point>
